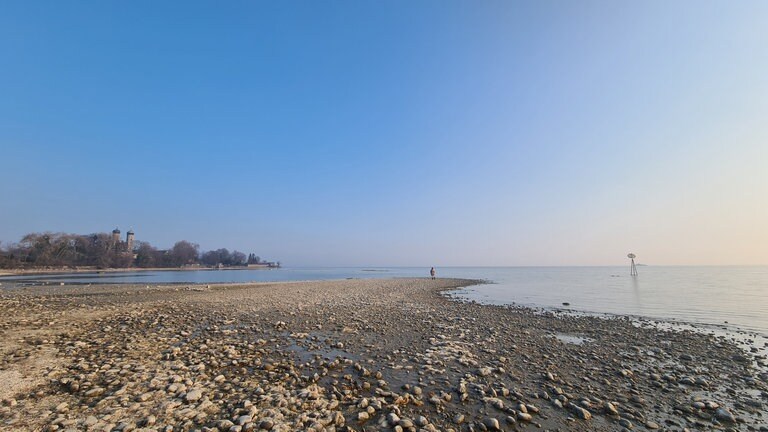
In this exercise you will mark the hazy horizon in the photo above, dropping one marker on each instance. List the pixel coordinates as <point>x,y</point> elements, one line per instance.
<point>402,134</point>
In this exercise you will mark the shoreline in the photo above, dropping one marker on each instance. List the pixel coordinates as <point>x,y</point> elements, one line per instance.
<point>320,354</point>
<point>64,271</point>
<point>746,335</point>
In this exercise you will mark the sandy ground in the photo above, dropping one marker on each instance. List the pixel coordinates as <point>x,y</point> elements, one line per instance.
<point>353,355</point>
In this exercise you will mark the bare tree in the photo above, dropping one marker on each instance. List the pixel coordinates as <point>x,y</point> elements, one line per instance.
<point>237,259</point>
<point>146,255</point>
<point>183,253</point>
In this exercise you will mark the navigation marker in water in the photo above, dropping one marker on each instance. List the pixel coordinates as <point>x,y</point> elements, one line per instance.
<point>632,268</point>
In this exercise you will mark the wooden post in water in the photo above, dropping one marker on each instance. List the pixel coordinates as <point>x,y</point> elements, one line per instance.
<point>632,268</point>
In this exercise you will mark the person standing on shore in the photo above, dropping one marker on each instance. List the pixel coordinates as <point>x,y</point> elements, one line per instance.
<point>432,272</point>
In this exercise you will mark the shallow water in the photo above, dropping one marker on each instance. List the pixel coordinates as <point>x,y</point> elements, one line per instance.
<point>732,295</point>
<point>725,296</point>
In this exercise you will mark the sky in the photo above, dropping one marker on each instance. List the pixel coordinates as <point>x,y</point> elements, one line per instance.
<point>397,133</point>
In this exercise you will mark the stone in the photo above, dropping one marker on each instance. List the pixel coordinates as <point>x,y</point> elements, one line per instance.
<point>723,414</point>
<point>580,412</point>
<point>392,419</point>
<point>626,423</point>
<point>193,395</point>
<point>524,416</point>
<point>491,423</point>
<point>701,382</point>
<point>406,423</point>
<point>98,391</point>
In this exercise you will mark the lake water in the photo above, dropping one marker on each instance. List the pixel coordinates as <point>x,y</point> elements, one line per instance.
<point>709,295</point>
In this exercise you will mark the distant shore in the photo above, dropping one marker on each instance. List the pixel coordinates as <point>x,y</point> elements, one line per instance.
<point>66,270</point>
<point>351,355</point>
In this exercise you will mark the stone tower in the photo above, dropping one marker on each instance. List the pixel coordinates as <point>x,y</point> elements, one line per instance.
<point>129,241</point>
<point>115,237</point>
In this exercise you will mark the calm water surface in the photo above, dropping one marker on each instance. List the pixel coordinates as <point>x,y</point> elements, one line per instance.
<point>711,295</point>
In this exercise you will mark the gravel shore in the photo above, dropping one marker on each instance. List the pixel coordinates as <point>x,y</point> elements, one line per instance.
<point>353,355</point>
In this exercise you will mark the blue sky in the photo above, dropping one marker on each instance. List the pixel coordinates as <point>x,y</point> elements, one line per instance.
<point>393,133</point>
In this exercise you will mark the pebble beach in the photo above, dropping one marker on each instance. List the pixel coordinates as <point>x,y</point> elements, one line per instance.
<point>354,355</point>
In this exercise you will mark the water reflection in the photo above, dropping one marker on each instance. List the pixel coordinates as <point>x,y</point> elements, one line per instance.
<point>696,294</point>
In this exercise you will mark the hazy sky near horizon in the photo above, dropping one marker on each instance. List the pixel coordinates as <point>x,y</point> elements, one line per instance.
<point>393,133</point>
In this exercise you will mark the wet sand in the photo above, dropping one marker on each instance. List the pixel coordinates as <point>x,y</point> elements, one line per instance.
<point>352,355</point>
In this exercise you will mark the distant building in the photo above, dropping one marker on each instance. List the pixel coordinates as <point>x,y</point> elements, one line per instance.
<point>123,246</point>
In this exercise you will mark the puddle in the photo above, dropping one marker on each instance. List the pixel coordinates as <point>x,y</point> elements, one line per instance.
<point>306,355</point>
<point>571,339</point>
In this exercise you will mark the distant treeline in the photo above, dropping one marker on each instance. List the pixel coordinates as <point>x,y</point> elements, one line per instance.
<point>101,250</point>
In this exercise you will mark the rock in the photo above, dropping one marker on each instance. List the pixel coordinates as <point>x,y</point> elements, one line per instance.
<point>701,382</point>
<point>392,419</point>
<point>626,423</point>
<point>651,425</point>
<point>611,409</point>
<point>491,423</point>
<point>723,414</point>
<point>97,391</point>
<point>580,412</point>
<point>524,416</point>
<point>363,416</point>
<point>458,418</point>
<point>193,395</point>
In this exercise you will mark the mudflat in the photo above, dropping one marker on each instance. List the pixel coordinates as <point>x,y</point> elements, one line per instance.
<point>353,355</point>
